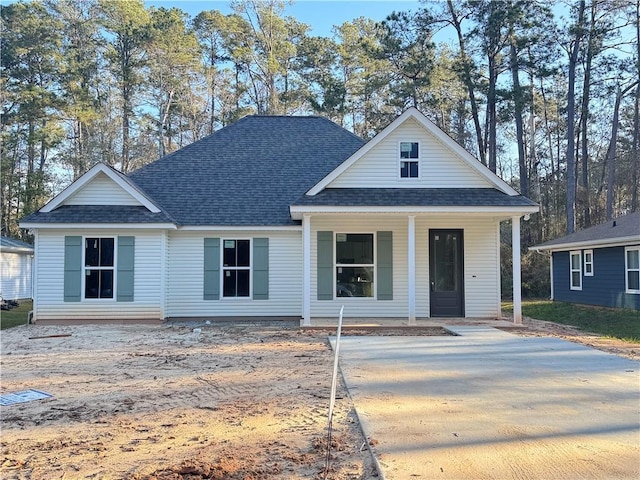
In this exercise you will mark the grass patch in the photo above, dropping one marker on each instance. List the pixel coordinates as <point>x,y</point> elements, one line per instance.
<point>16,316</point>
<point>609,322</point>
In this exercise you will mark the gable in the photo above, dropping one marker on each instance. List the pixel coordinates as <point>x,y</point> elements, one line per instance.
<point>101,190</point>
<point>439,166</point>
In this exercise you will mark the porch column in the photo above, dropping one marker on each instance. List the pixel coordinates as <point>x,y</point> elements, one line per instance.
<point>515,247</point>
<point>411,269</point>
<point>306,270</point>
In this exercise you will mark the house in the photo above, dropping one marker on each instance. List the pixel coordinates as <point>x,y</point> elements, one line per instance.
<point>598,265</point>
<point>278,216</point>
<point>16,264</point>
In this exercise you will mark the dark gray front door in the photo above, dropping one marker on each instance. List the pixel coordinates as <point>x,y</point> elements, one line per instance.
<point>446,273</point>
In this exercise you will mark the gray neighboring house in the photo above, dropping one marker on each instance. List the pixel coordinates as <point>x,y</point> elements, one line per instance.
<point>16,269</point>
<point>599,265</point>
<point>277,216</point>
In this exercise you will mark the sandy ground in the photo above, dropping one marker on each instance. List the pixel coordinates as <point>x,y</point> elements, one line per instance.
<point>161,402</point>
<point>165,402</point>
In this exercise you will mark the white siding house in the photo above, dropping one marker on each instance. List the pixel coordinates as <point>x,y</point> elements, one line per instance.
<point>16,269</point>
<point>282,217</point>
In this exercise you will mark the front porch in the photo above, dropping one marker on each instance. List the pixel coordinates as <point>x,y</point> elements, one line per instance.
<point>403,284</point>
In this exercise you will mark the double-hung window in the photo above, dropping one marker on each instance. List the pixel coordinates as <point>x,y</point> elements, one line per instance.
<point>409,160</point>
<point>354,265</point>
<point>632,269</point>
<point>236,268</point>
<point>99,264</point>
<point>588,263</point>
<point>575,266</point>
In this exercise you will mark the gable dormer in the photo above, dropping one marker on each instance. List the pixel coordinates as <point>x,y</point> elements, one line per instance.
<point>412,152</point>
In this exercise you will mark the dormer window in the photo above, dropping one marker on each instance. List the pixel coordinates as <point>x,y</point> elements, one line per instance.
<point>409,159</point>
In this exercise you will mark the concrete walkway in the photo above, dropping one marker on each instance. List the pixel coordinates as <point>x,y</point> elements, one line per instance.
<point>491,405</point>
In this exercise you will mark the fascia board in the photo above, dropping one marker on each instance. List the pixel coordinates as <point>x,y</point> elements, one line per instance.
<point>244,228</point>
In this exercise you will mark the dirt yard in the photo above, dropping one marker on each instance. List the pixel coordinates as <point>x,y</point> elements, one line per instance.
<point>165,402</point>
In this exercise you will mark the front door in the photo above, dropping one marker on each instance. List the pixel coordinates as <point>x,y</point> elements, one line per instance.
<point>446,273</point>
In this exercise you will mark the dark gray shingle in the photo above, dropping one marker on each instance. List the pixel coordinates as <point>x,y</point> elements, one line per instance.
<point>98,214</point>
<point>247,173</point>
<point>418,197</point>
<point>621,227</point>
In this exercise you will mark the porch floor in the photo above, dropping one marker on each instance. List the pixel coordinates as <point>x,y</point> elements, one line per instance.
<point>323,323</point>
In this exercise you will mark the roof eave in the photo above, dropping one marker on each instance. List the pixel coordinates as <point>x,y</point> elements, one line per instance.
<point>119,226</point>
<point>298,211</point>
<point>606,242</point>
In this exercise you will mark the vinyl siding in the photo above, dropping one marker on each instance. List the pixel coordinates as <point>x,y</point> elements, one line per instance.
<point>605,288</point>
<point>50,304</point>
<point>439,166</point>
<point>186,277</point>
<point>480,265</point>
<point>15,280</point>
<point>101,191</point>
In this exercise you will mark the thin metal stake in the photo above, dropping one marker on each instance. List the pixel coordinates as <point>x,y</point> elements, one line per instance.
<point>332,401</point>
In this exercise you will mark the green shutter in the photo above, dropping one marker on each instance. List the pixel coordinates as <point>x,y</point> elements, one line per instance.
<point>125,274</point>
<point>260,268</point>
<point>72,269</point>
<point>385,265</point>
<point>325,266</point>
<point>212,269</point>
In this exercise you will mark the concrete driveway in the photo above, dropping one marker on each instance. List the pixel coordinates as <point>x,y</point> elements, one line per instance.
<point>491,405</point>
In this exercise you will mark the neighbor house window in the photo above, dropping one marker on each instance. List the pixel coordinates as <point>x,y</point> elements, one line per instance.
<point>99,261</point>
<point>409,159</point>
<point>354,265</point>
<point>632,269</point>
<point>588,263</point>
<point>236,268</point>
<point>576,270</point>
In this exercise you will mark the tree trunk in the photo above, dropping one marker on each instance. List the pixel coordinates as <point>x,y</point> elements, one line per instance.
<point>635,162</point>
<point>518,110</point>
<point>571,102</point>
<point>469,84</point>
<point>611,151</point>
<point>584,117</point>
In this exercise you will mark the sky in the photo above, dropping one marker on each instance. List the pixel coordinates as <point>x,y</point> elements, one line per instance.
<point>321,15</point>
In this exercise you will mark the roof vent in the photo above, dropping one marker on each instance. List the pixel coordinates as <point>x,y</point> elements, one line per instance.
<point>614,223</point>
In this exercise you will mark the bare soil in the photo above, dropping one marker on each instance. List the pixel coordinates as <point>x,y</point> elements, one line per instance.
<point>167,402</point>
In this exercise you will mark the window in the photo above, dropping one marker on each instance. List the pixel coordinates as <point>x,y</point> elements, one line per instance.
<point>354,265</point>
<point>576,270</point>
<point>236,268</point>
<point>409,160</point>
<point>632,269</point>
<point>588,263</point>
<point>99,261</point>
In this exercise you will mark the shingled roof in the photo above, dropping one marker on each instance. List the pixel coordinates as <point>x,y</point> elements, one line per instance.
<point>622,229</point>
<point>414,197</point>
<point>247,173</point>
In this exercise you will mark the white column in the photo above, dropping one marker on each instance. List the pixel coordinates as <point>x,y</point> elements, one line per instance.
<point>306,270</point>
<point>411,268</point>
<point>515,247</point>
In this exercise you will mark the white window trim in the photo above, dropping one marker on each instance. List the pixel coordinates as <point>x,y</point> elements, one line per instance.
<point>418,160</point>
<point>571,269</point>
<point>588,273</point>
<point>85,268</point>
<point>627,270</point>
<point>223,268</point>
<point>374,295</point>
